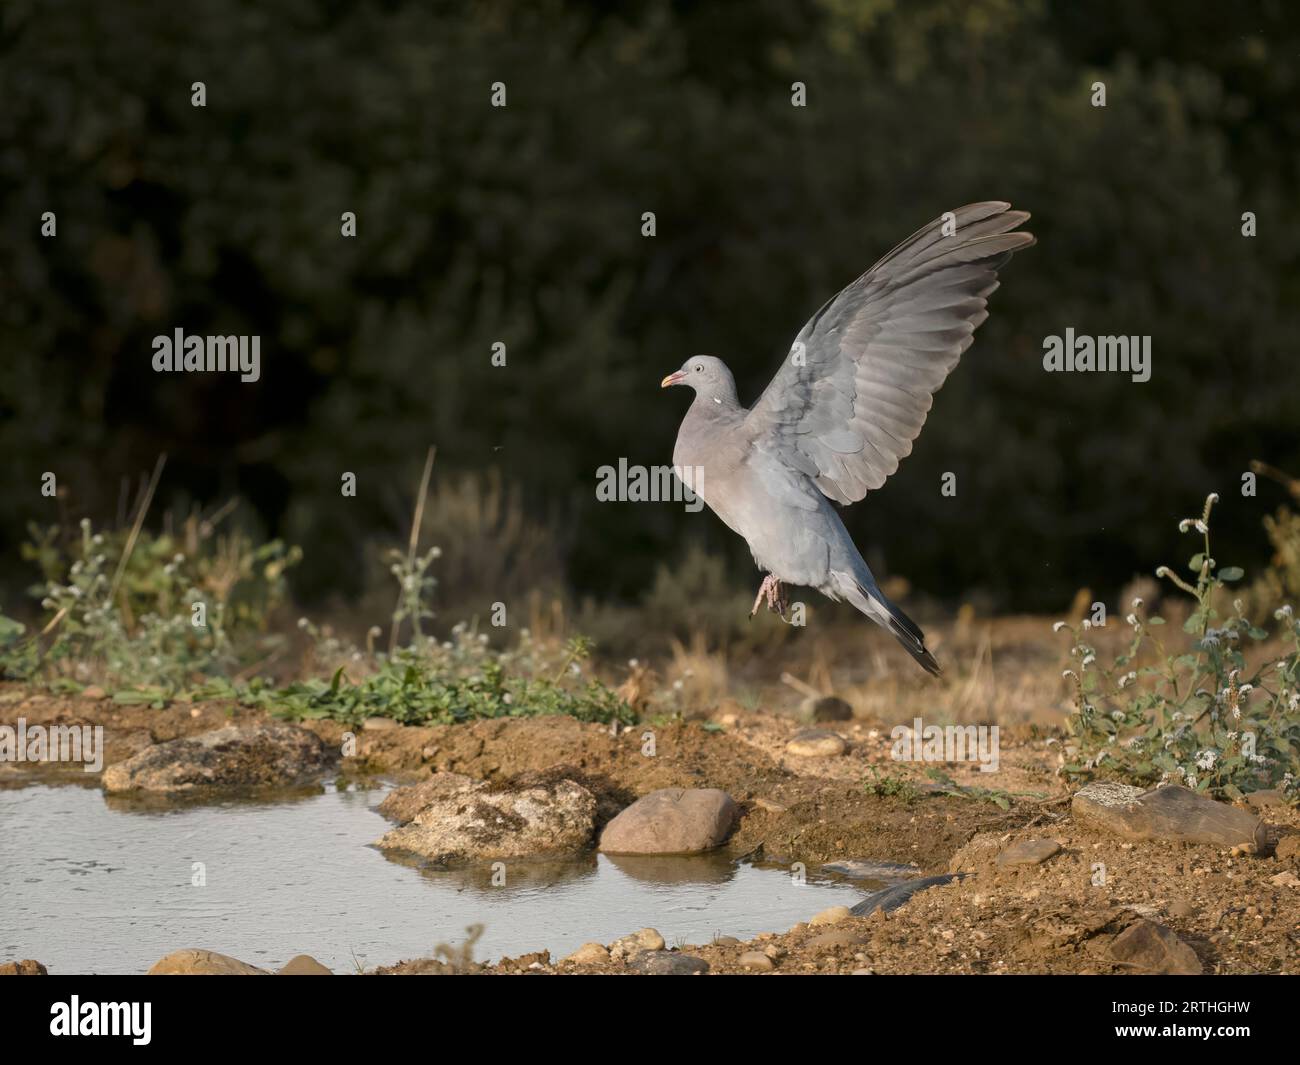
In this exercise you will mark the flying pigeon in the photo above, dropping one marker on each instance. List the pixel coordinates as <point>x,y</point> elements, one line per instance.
<point>843,409</point>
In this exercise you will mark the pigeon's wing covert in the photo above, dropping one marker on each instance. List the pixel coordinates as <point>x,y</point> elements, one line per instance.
<point>851,398</point>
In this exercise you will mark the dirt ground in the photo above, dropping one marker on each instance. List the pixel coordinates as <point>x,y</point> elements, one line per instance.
<point>1240,914</point>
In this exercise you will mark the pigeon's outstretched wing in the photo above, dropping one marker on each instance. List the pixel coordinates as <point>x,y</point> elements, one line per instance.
<point>847,404</point>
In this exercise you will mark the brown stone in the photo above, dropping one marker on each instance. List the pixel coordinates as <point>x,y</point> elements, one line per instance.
<point>203,963</point>
<point>257,756</point>
<point>1029,852</point>
<point>26,967</point>
<point>304,965</point>
<point>816,743</point>
<point>671,821</point>
<point>1154,948</point>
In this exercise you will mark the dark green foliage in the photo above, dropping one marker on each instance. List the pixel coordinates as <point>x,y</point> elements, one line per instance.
<point>522,225</point>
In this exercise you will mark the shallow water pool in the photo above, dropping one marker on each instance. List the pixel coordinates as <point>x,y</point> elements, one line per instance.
<point>96,885</point>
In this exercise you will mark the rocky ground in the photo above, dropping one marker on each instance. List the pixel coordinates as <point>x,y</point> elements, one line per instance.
<point>1052,882</point>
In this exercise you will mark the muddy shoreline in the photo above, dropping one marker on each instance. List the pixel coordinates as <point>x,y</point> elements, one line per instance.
<point>1236,912</point>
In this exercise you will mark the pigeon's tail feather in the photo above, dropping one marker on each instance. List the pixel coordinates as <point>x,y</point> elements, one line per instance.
<point>871,601</point>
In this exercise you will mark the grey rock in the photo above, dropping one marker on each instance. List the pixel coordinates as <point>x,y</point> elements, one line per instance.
<point>1170,813</point>
<point>482,822</point>
<point>666,963</point>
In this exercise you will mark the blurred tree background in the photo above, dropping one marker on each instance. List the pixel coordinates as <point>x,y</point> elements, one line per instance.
<point>523,225</point>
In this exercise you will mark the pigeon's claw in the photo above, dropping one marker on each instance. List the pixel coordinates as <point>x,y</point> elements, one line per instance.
<point>776,600</point>
<point>772,590</point>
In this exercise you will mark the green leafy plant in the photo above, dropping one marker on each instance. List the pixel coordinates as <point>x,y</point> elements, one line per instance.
<point>150,612</point>
<point>888,786</point>
<point>1189,707</point>
<point>442,684</point>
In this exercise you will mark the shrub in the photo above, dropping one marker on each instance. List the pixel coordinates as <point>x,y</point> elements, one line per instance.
<point>122,607</point>
<point>1189,707</point>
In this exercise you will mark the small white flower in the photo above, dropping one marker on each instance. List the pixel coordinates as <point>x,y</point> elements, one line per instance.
<point>1058,626</point>
<point>1137,602</point>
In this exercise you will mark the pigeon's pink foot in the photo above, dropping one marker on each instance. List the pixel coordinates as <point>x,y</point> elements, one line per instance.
<point>774,593</point>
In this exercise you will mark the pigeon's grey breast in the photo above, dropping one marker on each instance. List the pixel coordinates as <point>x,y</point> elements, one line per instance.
<point>789,526</point>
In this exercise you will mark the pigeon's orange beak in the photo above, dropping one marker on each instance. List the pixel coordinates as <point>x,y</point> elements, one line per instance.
<point>672,379</point>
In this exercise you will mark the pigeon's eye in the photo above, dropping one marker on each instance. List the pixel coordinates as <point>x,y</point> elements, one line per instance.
<point>698,368</point>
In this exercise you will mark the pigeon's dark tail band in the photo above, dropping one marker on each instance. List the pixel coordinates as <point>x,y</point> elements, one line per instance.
<point>913,640</point>
<point>905,630</point>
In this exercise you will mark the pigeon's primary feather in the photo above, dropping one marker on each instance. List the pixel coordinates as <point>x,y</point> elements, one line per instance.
<point>845,407</point>
<point>852,397</point>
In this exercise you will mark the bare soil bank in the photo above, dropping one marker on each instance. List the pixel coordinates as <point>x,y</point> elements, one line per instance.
<point>1238,913</point>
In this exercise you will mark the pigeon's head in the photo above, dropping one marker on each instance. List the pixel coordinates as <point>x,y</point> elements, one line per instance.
<point>708,376</point>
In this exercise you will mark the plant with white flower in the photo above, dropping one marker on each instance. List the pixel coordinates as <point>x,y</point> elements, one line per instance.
<point>1180,705</point>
